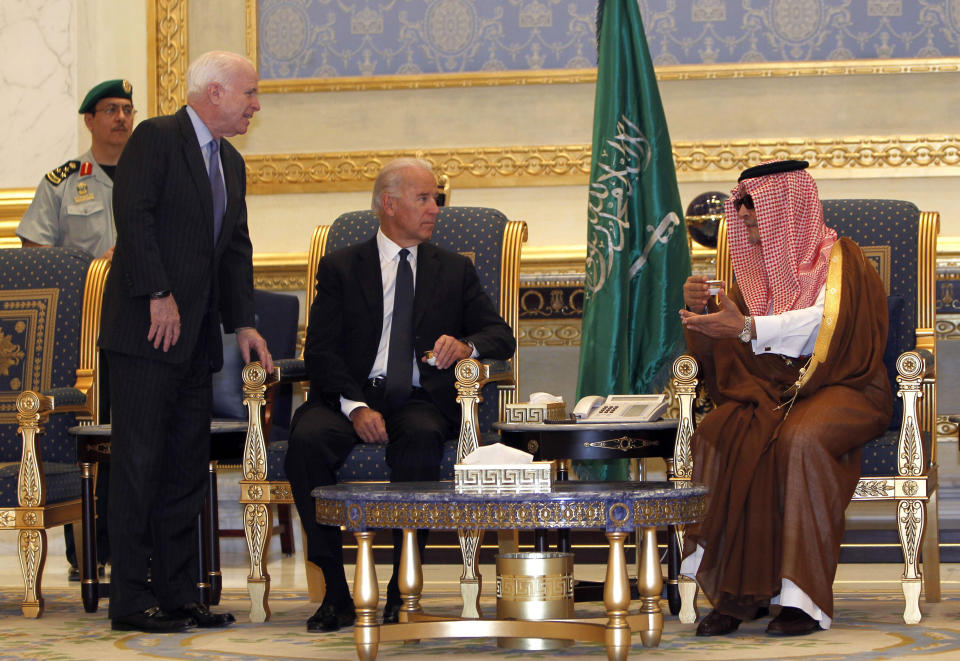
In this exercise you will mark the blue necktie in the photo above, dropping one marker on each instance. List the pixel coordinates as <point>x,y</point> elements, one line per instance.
<point>400,356</point>
<point>216,187</point>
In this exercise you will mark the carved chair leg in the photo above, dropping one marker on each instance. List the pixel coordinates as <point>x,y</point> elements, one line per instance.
<point>910,523</point>
<point>257,527</point>
<point>32,548</point>
<point>687,588</point>
<point>470,580</point>
<point>931,552</point>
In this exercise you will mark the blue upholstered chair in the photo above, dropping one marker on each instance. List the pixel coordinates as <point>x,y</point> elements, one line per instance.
<point>901,465</point>
<point>493,243</point>
<point>49,321</point>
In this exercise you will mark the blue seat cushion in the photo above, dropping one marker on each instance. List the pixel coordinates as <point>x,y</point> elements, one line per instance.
<point>365,463</point>
<point>62,480</point>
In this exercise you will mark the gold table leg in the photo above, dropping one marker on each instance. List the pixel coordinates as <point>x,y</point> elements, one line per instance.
<point>650,586</point>
<point>616,599</point>
<point>366,595</point>
<point>410,580</point>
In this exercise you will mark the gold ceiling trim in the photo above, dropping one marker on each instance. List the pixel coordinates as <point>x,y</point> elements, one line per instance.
<point>168,55</point>
<point>569,165</point>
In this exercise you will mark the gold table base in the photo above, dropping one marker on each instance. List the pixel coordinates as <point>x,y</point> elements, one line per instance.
<point>615,631</point>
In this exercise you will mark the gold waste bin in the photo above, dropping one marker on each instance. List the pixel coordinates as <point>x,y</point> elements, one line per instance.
<point>534,586</point>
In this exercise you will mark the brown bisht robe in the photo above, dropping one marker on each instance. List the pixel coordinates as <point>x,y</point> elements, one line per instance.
<point>779,483</point>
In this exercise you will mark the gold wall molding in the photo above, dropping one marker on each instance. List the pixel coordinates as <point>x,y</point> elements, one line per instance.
<point>168,55</point>
<point>569,165</point>
<point>801,69</point>
<point>579,76</point>
<point>831,157</point>
<point>467,167</point>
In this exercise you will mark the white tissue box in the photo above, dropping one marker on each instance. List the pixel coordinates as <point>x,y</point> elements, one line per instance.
<point>534,477</point>
<point>527,412</point>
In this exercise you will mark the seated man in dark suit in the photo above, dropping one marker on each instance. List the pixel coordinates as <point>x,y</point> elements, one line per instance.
<point>380,306</point>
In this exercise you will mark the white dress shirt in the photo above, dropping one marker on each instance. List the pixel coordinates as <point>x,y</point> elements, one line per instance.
<point>389,259</point>
<point>791,333</point>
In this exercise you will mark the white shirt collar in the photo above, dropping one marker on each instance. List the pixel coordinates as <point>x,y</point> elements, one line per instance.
<point>388,249</point>
<point>203,133</point>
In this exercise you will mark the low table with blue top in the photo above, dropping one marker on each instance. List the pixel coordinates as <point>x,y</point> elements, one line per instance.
<point>617,508</point>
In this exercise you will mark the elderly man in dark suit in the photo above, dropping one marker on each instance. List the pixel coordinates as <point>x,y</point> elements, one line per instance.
<point>183,263</point>
<point>381,305</point>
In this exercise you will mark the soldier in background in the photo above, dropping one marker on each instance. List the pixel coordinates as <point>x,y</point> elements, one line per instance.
<point>73,207</point>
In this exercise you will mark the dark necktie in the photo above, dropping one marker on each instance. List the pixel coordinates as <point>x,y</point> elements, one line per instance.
<point>216,187</point>
<point>400,356</point>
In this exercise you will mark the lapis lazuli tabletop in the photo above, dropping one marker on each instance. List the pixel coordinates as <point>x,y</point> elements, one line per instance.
<point>609,506</point>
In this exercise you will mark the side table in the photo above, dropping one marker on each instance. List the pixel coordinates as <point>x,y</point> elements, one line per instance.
<point>617,508</point>
<point>601,440</point>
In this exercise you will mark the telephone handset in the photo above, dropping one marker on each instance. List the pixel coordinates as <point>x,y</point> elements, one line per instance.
<point>621,408</point>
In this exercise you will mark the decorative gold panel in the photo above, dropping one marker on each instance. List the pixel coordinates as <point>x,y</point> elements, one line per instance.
<point>168,55</point>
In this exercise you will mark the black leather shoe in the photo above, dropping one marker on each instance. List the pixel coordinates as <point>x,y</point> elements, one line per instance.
<point>391,612</point>
<point>717,624</point>
<point>329,618</point>
<point>152,620</point>
<point>792,622</point>
<point>202,615</point>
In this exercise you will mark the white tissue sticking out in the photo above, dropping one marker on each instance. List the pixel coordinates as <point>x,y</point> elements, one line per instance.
<point>496,454</point>
<point>539,398</point>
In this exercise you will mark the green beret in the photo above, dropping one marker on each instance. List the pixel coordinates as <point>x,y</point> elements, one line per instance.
<point>774,167</point>
<point>118,88</point>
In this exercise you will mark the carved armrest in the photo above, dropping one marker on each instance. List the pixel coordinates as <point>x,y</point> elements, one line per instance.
<point>914,368</point>
<point>33,409</point>
<point>685,372</point>
<point>256,381</point>
<point>472,375</point>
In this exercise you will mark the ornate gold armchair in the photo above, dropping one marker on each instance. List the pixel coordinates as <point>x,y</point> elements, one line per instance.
<point>49,322</point>
<point>900,465</point>
<point>493,243</point>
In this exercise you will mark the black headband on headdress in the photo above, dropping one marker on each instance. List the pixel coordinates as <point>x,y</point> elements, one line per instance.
<point>775,167</point>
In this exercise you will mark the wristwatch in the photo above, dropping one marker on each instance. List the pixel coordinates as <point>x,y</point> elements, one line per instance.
<point>747,327</point>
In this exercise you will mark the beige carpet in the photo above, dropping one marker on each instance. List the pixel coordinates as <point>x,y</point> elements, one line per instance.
<point>866,628</point>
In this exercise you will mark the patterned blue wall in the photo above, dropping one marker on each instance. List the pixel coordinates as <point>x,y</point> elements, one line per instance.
<point>334,38</point>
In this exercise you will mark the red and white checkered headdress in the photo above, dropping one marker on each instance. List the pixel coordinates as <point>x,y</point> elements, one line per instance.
<point>789,267</point>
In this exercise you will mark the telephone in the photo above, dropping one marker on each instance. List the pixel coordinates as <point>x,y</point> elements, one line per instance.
<point>620,408</point>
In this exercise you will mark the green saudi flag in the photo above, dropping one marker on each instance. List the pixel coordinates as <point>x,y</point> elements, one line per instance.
<point>637,254</point>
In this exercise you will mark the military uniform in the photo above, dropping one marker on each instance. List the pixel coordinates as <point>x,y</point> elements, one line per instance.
<point>73,207</point>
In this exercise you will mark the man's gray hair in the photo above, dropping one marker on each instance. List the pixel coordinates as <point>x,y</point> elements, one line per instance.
<point>211,67</point>
<point>390,178</point>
